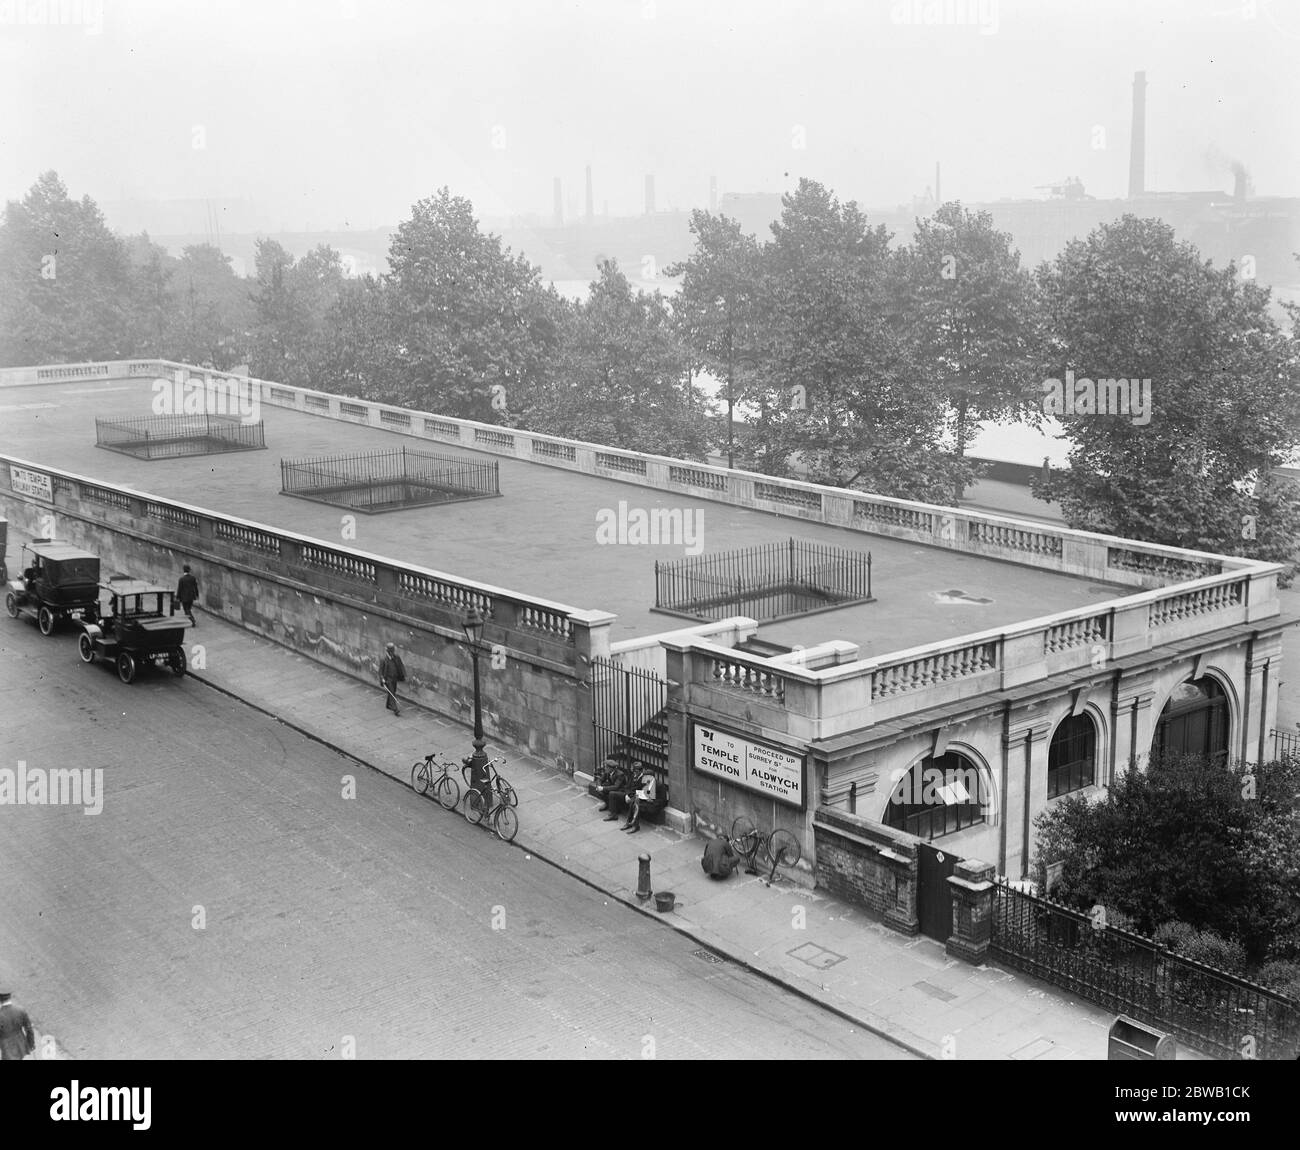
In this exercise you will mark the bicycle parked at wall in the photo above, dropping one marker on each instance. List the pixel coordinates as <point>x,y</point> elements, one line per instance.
<point>780,848</point>
<point>434,774</point>
<point>498,806</point>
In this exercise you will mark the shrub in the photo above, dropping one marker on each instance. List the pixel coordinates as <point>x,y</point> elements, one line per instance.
<point>1216,951</point>
<point>1284,977</point>
<point>1174,935</point>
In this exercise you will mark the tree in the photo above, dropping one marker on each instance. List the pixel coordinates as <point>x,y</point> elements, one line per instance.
<point>474,329</point>
<point>1219,385</point>
<point>1186,841</point>
<point>715,309</point>
<point>65,282</point>
<point>972,318</point>
<point>214,310</point>
<point>153,318</point>
<point>837,387</point>
<point>293,303</point>
<point>622,377</point>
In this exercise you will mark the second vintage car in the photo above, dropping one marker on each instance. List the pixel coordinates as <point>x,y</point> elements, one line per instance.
<point>136,625</point>
<point>58,581</point>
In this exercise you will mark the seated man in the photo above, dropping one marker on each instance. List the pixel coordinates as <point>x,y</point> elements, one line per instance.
<point>610,776</point>
<point>720,858</point>
<point>646,794</point>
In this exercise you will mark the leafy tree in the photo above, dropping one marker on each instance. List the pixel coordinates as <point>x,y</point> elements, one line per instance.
<point>1131,302</point>
<point>153,318</point>
<point>214,310</point>
<point>359,354</point>
<point>1187,842</point>
<point>65,281</point>
<point>473,327</point>
<point>837,386</point>
<point>622,377</point>
<point>971,314</point>
<point>715,309</point>
<point>293,303</point>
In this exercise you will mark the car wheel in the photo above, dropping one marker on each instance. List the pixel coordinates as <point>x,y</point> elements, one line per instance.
<point>45,621</point>
<point>11,605</point>
<point>176,660</point>
<point>86,648</point>
<point>126,667</point>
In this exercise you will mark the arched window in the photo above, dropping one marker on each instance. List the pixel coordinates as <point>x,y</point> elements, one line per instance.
<point>1072,756</point>
<point>938,797</point>
<point>1194,721</point>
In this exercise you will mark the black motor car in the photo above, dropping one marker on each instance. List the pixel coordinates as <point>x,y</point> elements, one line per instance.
<point>58,581</point>
<point>135,624</point>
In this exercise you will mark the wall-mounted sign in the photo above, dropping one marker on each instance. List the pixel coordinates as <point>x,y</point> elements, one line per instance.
<point>754,766</point>
<point>37,484</point>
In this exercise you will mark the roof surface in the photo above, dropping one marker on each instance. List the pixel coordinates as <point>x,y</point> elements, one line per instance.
<point>541,538</point>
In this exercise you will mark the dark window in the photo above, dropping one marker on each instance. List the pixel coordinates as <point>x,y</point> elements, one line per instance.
<point>1194,721</point>
<point>1072,756</point>
<point>937,797</point>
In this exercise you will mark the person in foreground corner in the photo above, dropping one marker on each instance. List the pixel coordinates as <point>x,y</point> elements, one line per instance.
<point>720,858</point>
<point>17,1038</point>
<point>391,672</point>
<point>645,795</point>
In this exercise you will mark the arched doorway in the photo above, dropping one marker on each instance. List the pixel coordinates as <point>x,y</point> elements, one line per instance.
<point>1194,721</point>
<point>937,797</point>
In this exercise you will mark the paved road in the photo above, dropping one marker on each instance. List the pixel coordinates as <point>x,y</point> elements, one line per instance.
<point>229,901</point>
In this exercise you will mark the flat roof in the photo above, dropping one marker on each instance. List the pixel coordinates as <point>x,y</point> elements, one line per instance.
<point>541,537</point>
<point>129,586</point>
<point>56,550</point>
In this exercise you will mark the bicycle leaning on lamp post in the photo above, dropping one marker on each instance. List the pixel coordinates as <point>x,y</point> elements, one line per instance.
<point>479,778</point>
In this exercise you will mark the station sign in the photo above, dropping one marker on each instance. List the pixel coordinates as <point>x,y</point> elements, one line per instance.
<point>755,766</point>
<point>25,481</point>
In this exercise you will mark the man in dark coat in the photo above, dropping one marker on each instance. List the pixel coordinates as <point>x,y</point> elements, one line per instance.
<point>720,858</point>
<point>391,672</point>
<point>187,591</point>
<point>17,1038</point>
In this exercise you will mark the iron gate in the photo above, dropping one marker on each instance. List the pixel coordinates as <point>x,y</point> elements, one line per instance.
<point>628,714</point>
<point>933,896</point>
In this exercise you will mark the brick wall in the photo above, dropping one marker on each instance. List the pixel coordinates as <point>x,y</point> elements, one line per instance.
<point>868,864</point>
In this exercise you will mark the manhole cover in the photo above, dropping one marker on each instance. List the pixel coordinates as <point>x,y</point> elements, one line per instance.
<point>816,956</point>
<point>934,991</point>
<point>709,956</point>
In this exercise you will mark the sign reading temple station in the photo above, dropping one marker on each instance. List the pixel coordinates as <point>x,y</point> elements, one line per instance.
<point>755,766</point>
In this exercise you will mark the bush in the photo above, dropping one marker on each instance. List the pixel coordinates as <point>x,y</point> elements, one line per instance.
<point>1174,935</point>
<point>1284,977</point>
<point>1214,950</point>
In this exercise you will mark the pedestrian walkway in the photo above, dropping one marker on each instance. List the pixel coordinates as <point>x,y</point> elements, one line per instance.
<point>906,989</point>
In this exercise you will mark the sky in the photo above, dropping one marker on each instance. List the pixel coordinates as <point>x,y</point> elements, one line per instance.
<point>345,112</point>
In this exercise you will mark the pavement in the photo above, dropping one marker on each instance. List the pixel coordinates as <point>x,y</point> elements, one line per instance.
<point>907,990</point>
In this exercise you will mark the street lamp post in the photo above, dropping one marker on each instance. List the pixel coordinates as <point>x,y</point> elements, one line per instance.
<point>473,628</point>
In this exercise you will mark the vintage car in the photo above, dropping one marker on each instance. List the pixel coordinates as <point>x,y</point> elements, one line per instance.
<point>135,624</point>
<point>58,581</point>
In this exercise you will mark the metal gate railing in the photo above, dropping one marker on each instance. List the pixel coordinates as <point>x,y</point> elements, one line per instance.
<point>1285,743</point>
<point>628,714</point>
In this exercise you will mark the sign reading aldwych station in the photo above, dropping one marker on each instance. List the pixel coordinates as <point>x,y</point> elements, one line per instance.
<point>755,766</point>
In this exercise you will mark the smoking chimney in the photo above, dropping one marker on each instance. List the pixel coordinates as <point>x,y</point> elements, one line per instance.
<point>559,203</point>
<point>649,195</point>
<point>1138,138</point>
<point>1239,178</point>
<point>589,207</point>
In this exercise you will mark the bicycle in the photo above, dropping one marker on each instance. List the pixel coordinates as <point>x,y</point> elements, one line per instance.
<point>499,807</point>
<point>445,788</point>
<point>495,780</point>
<point>781,848</point>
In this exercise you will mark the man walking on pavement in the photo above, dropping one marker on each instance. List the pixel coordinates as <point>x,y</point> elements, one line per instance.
<point>187,591</point>
<point>391,672</point>
<point>17,1038</point>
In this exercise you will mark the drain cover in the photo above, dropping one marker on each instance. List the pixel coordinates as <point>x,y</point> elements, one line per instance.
<point>709,956</point>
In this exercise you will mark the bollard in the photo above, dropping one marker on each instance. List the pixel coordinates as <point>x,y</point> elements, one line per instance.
<point>643,878</point>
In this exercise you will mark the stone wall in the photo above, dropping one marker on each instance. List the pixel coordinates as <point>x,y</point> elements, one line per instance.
<point>870,865</point>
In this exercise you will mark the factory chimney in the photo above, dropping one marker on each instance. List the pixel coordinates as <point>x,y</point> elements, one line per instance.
<point>1239,182</point>
<point>1138,139</point>
<point>649,195</point>
<point>559,204</point>
<point>590,209</point>
<point>713,194</point>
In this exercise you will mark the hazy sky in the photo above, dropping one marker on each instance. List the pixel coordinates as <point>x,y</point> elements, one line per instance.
<point>350,110</point>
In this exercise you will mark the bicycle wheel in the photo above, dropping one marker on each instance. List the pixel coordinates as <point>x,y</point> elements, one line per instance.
<point>420,778</point>
<point>508,796</point>
<point>745,838</point>
<point>506,823</point>
<point>446,792</point>
<point>783,848</point>
<point>475,807</point>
